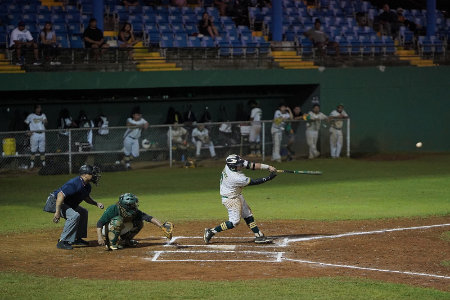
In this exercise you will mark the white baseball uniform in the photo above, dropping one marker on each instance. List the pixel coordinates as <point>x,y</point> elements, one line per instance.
<point>231,185</point>
<point>277,129</point>
<point>255,129</point>
<point>131,137</point>
<point>336,136</point>
<point>200,137</point>
<point>36,124</point>
<point>178,134</point>
<point>312,132</point>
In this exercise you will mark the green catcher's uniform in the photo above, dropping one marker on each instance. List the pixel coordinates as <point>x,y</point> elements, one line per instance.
<point>121,223</point>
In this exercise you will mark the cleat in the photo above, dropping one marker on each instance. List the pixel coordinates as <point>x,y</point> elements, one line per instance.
<point>130,243</point>
<point>64,245</point>
<point>207,235</point>
<point>115,247</point>
<point>80,242</point>
<point>263,240</point>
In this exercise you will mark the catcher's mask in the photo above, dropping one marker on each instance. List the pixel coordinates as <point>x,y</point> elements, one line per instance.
<point>91,170</point>
<point>129,202</point>
<point>233,161</point>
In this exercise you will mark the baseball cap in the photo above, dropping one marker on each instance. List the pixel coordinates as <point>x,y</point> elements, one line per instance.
<point>21,24</point>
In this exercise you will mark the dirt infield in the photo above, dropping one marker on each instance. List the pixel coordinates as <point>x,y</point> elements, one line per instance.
<point>410,254</point>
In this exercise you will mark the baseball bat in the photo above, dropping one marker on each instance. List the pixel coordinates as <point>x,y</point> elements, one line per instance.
<point>301,172</point>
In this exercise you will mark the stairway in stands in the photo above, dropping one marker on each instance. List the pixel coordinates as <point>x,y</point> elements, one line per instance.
<point>151,61</point>
<point>413,58</point>
<point>290,60</point>
<point>6,67</point>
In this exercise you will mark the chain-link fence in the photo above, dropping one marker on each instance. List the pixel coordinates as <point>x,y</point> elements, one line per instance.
<point>66,150</point>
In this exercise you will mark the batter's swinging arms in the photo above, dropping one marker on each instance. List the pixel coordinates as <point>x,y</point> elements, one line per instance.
<point>231,184</point>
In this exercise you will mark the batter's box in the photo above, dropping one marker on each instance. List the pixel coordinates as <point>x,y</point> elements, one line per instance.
<point>215,256</point>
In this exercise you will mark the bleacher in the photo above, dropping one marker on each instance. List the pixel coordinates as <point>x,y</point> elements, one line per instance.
<point>167,27</point>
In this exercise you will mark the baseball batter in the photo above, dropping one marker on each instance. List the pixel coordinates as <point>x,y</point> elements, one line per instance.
<point>200,137</point>
<point>122,221</point>
<point>336,136</point>
<point>255,129</point>
<point>232,182</point>
<point>131,137</point>
<point>314,119</point>
<point>36,122</point>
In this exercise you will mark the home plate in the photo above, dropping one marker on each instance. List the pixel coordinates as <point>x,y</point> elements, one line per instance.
<point>221,247</point>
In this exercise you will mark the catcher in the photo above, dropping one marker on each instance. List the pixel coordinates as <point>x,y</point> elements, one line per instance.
<point>120,223</point>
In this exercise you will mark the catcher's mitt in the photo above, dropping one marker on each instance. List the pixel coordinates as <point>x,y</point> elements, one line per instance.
<point>167,229</point>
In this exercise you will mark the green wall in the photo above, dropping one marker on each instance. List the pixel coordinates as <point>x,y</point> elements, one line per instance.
<point>390,110</point>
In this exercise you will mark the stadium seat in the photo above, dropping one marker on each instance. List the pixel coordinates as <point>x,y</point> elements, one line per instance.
<point>76,42</point>
<point>194,42</point>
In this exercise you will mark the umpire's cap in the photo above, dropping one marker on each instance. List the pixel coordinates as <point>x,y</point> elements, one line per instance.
<point>91,170</point>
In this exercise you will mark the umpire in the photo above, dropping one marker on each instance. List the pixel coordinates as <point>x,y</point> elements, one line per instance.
<point>64,202</point>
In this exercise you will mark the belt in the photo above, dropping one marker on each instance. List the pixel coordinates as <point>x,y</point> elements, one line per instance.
<point>224,196</point>
<point>38,132</point>
<point>131,137</point>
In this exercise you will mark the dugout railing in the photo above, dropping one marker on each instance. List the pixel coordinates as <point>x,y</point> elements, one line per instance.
<point>66,150</point>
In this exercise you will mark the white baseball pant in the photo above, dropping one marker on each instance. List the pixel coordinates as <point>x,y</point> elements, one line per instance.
<point>336,140</point>
<point>255,134</point>
<point>198,145</point>
<point>131,146</point>
<point>237,208</point>
<point>37,142</point>
<point>311,140</point>
<point>277,135</point>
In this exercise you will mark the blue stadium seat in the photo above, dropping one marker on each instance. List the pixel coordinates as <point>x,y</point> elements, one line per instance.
<point>73,17</point>
<point>194,42</point>
<point>237,48</point>
<point>164,28</point>
<point>207,42</point>
<point>76,42</point>
<point>166,44</point>
<point>191,29</point>
<point>63,41</point>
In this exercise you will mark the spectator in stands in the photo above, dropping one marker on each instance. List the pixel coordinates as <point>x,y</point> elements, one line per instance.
<point>200,137</point>
<point>206,26</point>
<point>388,21</point>
<point>314,119</point>
<point>179,3</point>
<point>320,39</point>
<point>239,12</point>
<point>128,3</point>
<point>21,40</point>
<point>48,44</point>
<point>297,115</point>
<point>93,38</point>
<point>222,6</point>
<point>126,38</point>
<point>282,114</point>
<point>402,21</point>
<point>336,136</point>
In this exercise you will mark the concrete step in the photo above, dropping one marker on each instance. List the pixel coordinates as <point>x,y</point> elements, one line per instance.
<point>283,53</point>
<point>411,58</point>
<point>11,71</point>
<point>299,62</point>
<point>160,69</point>
<point>9,68</point>
<point>296,64</point>
<point>287,56</point>
<point>151,62</point>
<point>156,66</point>
<point>147,54</point>
<point>301,68</point>
<point>405,52</point>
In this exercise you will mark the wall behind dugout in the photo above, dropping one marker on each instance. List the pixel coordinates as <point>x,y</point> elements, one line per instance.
<point>390,110</point>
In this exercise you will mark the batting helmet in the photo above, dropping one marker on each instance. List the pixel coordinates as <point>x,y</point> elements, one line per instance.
<point>233,161</point>
<point>91,170</point>
<point>129,202</point>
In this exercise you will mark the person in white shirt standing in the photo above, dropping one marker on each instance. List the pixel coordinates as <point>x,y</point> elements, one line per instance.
<point>232,181</point>
<point>314,121</point>
<point>36,122</point>
<point>336,123</point>
<point>21,38</point>
<point>255,129</point>
<point>282,114</point>
<point>131,137</point>
<point>200,137</point>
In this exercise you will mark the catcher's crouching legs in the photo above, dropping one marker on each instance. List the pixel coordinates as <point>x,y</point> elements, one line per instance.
<point>127,237</point>
<point>115,226</point>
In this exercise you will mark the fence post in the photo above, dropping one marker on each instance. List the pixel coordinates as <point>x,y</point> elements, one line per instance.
<point>263,141</point>
<point>348,137</point>
<point>70,151</point>
<point>170,146</point>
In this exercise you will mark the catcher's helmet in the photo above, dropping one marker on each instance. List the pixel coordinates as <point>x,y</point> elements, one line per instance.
<point>130,202</point>
<point>91,170</point>
<point>233,161</point>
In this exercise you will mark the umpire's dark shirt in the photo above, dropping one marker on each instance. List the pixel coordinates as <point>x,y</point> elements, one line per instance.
<point>75,191</point>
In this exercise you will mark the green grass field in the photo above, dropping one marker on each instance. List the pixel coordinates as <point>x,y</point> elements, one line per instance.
<point>348,190</point>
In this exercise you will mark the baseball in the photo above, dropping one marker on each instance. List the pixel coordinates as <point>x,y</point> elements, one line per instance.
<point>419,144</point>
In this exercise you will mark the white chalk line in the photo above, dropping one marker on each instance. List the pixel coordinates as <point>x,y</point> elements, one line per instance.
<point>215,260</point>
<point>286,241</point>
<point>366,268</point>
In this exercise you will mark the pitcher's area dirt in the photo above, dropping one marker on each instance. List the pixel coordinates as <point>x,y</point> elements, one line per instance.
<point>419,251</point>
